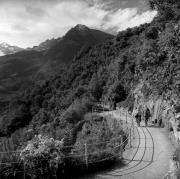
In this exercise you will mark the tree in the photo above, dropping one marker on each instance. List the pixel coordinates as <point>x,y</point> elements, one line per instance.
<point>96,86</point>
<point>43,156</point>
<point>117,92</point>
<point>167,9</point>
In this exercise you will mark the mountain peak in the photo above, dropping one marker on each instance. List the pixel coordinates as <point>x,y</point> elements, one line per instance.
<point>6,49</point>
<point>4,44</point>
<point>81,27</point>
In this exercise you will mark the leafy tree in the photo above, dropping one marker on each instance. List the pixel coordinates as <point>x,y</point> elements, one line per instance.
<point>167,9</point>
<point>117,92</point>
<point>96,87</point>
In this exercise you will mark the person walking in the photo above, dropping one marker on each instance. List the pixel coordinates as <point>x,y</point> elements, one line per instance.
<point>147,116</point>
<point>138,118</point>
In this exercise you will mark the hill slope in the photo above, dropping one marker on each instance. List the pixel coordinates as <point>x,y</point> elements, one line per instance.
<point>77,38</point>
<point>145,58</point>
<point>18,70</point>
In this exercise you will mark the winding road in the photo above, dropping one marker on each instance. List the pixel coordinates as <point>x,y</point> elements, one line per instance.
<point>148,158</point>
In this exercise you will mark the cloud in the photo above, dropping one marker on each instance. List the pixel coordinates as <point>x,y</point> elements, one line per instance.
<point>27,23</point>
<point>127,18</point>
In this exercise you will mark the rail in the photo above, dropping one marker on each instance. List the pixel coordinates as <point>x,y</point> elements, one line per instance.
<point>176,142</point>
<point>117,144</point>
<point>119,147</point>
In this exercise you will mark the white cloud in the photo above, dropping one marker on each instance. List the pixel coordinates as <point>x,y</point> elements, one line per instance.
<point>24,25</point>
<point>129,17</point>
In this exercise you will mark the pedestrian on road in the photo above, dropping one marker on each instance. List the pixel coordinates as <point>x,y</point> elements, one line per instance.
<point>147,116</point>
<point>138,118</point>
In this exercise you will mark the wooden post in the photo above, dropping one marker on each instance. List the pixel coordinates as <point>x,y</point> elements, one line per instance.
<point>130,138</point>
<point>14,174</point>
<point>103,107</point>
<point>24,171</point>
<point>119,113</point>
<point>126,117</point>
<point>86,155</point>
<point>133,127</point>
<point>121,147</point>
<point>92,114</point>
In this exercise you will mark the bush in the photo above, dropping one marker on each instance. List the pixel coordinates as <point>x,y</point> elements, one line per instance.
<point>77,110</point>
<point>117,92</point>
<point>43,156</point>
<point>101,140</point>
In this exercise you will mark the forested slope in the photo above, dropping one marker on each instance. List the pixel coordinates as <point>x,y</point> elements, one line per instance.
<point>109,71</point>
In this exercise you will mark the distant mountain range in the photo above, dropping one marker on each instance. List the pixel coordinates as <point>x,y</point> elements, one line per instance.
<point>17,70</point>
<point>6,49</point>
<point>45,45</point>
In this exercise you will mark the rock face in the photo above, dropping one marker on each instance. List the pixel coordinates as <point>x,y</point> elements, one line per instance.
<point>161,107</point>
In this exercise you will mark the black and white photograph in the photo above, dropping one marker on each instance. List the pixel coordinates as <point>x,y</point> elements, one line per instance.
<point>89,89</point>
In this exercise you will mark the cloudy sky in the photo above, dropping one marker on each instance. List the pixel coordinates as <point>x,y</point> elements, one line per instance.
<point>28,22</point>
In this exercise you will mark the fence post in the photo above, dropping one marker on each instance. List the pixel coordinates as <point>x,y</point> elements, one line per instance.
<point>24,171</point>
<point>133,127</point>
<point>130,138</point>
<point>86,155</point>
<point>121,146</point>
<point>126,116</point>
<point>92,113</point>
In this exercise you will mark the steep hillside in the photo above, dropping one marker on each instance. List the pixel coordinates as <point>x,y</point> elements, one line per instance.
<point>141,62</point>
<point>18,70</point>
<point>78,38</point>
<point>111,70</point>
<point>46,45</point>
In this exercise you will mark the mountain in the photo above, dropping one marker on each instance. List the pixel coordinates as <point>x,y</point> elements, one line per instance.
<point>46,45</point>
<point>18,70</point>
<point>138,68</point>
<point>76,38</point>
<point>6,49</point>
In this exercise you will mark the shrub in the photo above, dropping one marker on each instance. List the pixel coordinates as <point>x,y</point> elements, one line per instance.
<point>101,140</point>
<point>43,156</point>
<point>117,92</point>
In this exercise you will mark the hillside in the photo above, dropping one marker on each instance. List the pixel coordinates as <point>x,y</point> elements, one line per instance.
<point>46,45</point>
<point>18,70</point>
<point>140,61</point>
<point>78,38</point>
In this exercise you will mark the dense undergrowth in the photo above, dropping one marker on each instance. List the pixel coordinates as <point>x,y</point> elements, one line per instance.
<point>58,107</point>
<point>46,157</point>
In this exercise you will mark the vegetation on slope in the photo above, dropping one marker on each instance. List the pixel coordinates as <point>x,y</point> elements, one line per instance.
<point>108,72</point>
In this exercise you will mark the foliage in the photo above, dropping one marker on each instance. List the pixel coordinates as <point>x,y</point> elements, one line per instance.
<point>102,140</point>
<point>167,9</point>
<point>43,156</point>
<point>117,92</point>
<point>111,70</point>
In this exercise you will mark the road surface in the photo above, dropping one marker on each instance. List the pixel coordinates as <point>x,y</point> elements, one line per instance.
<point>148,158</point>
